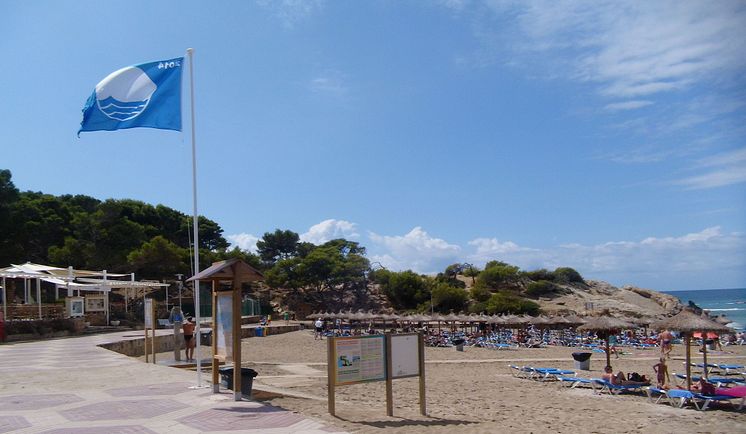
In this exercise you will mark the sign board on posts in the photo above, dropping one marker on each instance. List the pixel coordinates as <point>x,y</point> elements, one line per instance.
<point>224,323</point>
<point>405,359</point>
<point>149,313</point>
<point>359,359</point>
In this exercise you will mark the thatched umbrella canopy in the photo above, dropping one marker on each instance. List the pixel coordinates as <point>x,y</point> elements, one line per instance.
<point>574,319</point>
<point>513,320</point>
<point>606,325</point>
<point>538,321</point>
<point>313,315</point>
<point>496,319</point>
<point>687,322</point>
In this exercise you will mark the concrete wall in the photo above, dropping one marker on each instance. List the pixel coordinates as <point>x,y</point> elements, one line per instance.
<point>163,343</point>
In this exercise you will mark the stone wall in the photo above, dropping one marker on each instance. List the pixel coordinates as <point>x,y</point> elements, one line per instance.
<point>164,343</point>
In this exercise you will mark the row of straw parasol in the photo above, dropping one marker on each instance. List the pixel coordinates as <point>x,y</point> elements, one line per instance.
<point>507,320</point>
<point>685,322</point>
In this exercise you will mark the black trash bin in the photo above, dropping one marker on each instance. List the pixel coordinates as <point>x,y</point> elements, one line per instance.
<point>458,343</point>
<point>247,379</point>
<point>582,360</point>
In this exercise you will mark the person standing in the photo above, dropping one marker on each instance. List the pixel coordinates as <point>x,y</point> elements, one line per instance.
<point>661,373</point>
<point>189,338</point>
<point>665,339</point>
<point>177,319</point>
<point>319,333</point>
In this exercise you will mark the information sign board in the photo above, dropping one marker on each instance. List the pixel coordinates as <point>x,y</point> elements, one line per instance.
<point>405,360</point>
<point>224,322</point>
<point>359,359</point>
<point>149,313</point>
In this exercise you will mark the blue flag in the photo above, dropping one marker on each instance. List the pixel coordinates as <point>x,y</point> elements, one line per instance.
<point>146,95</point>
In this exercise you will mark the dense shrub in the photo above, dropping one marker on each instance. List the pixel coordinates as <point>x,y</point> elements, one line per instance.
<point>405,289</point>
<point>541,274</point>
<point>542,287</point>
<point>497,276</point>
<point>479,293</point>
<point>447,298</point>
<point>567,275</point>
<point>505,302</point>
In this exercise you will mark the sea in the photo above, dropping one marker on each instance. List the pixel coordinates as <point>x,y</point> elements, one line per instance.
<point>728,302</point>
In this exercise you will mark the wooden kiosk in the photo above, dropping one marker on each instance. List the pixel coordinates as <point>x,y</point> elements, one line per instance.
<point>227,277</point>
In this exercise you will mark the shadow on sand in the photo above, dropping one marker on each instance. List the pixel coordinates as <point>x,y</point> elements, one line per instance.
<point>399,423</point>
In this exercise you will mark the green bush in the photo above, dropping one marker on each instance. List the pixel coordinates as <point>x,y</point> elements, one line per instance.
<point>567,275</point>
<point>541,274</point>
<point>479,293</point>
<point>496,276</point>
<point>542,287</point>
<point>447,298</point>
<point>505,302</point>
<point>405,289</point>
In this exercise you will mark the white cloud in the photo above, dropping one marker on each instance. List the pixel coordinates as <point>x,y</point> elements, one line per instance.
<point>634,48</point>
<point>291,12</point>
<point>723,169</point>
<point>667,260</point>
<point>244,241</point>
<point>627,105</point>
<point>329,83</point>
<point>416,250</point>
<point>329,230</point>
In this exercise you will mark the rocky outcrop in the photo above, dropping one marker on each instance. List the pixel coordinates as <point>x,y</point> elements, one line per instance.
<point>597,296</point>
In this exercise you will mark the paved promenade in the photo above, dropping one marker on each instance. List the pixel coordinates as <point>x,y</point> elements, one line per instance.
<point>72,386</point>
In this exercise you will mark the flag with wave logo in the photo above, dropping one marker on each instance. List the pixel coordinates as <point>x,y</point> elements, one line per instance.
<point>146,95</point>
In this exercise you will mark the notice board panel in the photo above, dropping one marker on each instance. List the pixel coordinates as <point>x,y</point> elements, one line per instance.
<point>359,359</point>
<point>405,359</point>
<point>224,323</point>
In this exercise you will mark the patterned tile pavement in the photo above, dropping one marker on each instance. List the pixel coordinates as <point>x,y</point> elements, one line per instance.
<point>12,423</point>
<point>129,429</point>
<point>140,409</point>
<point>72,386</point>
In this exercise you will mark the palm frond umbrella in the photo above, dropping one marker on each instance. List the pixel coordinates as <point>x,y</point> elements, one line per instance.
<point>687,323</point>
<point>312,315</point>
<point>606,325</point>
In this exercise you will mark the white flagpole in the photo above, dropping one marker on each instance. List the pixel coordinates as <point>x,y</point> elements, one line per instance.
<point>197,335</point>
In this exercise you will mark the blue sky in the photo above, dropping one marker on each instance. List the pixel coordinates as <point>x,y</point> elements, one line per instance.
<point>606,137</point>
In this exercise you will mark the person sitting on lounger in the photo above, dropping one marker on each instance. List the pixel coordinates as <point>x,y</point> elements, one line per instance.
<point>704,387</point>
<point>622,380</point>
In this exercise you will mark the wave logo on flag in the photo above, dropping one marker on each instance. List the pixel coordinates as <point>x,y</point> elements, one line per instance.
<point>146,95</point>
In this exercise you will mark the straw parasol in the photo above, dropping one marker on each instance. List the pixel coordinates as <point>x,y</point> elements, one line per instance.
<point>606,325</point>
<point>687,322</point>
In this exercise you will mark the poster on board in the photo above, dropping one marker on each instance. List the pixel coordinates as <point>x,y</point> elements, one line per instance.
<point>359,359</point>
<point>75,306</point>
<point>405,356</point>
<point>95,303</point>
<point>149,313</point>
<point>224,323</point>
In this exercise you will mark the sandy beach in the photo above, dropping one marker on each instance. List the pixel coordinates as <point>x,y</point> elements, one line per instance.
<point>474,392</point>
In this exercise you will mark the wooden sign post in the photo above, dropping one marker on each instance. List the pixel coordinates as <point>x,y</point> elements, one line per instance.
<point>362,359</point>
<point>149,314</point>
<point>227,277</point>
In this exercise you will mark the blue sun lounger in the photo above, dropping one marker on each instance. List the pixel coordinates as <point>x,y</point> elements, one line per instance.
<point>655,395</point>
<point>614,389</point>
<point>573,382</point>
<point>679,398</point>
<point>717,381</point>
<point>728,368</point>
